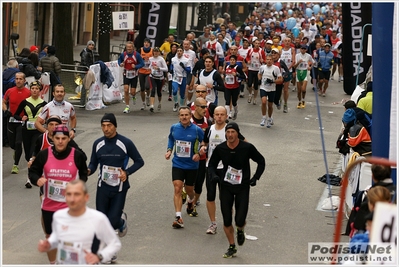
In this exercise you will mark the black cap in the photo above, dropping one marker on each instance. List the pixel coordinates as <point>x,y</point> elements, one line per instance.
<point>232,125</point>
<point>54,118</point>
<point>350,104</point>
<point>109,117</point>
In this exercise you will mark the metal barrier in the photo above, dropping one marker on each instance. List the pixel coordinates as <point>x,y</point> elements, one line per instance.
<point>69,73</point>
<point>71,77</point>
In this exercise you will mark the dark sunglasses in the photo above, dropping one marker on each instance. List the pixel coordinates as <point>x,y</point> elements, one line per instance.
<point>203,107</point>
<point>201,91</point>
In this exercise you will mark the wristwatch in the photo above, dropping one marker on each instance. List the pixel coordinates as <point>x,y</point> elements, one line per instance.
<point>100,257</point>
<point>74,130</point>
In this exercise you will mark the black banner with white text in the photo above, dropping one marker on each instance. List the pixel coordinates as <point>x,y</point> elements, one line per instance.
<point>154,24</point>
<point>354,16</point>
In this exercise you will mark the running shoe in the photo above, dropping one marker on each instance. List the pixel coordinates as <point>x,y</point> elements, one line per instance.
<point>279,105</point>
<point>240,237</point>
<point>15,169</point>
<point>262,122</point>
<point>231,252</point>
<point>126,110</point>
<point>249,98</point>
<point>285,109</point>
<point>230,114</point>
<point>28,184</point>
<point>159,107</point>
<point>303,104</point>
<point>143,107</point>
<point>190,207</point>
<point>212,229</point>
<point>299,105</point>
<point>324,94</point>
<point>293,89</point>
<point>123,229</point>
<point>241,94</point>
<point>134,100</point>
<point>254,102</point>
<point>178,223</point>
<point>183,195</point>
<point>114,259</point>
<point>194,213</point>
<point>332,78</point>
<point>176,107</point>
<point>147,100</point>
<point>269,123</point>
<point>152,108</point>
<point>170,98</point>
<point>235,115</point>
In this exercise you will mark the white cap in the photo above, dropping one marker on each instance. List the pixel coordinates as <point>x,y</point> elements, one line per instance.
<point>269,42</point>
<point>312,18</point>
<point>247,28</point>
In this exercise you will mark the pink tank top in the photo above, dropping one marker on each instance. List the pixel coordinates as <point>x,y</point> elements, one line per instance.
<point>58,173</point>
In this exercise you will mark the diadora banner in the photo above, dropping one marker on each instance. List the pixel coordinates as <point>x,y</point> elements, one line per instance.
<point>154,23</point>
<point>355,15</point>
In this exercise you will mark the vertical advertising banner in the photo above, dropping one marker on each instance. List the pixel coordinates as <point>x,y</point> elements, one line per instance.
<point>154,24</point>
<point>355,15</point>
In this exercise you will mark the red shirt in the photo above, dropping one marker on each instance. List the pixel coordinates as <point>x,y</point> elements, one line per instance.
<point>15,96</point>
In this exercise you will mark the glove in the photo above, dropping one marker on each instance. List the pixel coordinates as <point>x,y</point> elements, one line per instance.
<point>215,179</point>
<point>252,182</point>
<point>182,65</point>
<point>269,80</point>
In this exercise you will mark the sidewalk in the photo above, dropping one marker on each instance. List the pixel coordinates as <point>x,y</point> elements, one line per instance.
<point>115,41</point>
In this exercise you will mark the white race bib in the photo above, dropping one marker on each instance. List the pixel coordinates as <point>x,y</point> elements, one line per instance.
<point>156,73</point>
<point>169,76</point>
<point>56,190</point>
<point>183,149</point>
<point>233,176</point>
<point>110,175</point>
<point>229,79</point>
<point>30,125</point>
<point>130,74</point>
<point>12,119</point>
<point>177,79</point>
<point>69,253</point>
<point>255,65</point>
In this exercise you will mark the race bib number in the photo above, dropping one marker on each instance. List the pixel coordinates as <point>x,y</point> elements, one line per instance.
<point>169,76</point>
<point>56,190</point>
<point>229,79</point>
<point>255,65</point>
<point>146,64</point>
<point>30,125</point>
<point>156,73</point>
<point>130,74</point>
<point>177,79</point>
<point>12,119</point>
<point>69,253</point>
<point>233,176</point>
<point>183,149</point>
<point>110,175</point>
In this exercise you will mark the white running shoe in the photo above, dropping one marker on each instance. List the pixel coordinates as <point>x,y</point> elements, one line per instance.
<point>262,122</point>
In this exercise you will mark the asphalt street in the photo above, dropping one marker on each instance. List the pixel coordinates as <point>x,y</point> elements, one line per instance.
<point>283,213</point>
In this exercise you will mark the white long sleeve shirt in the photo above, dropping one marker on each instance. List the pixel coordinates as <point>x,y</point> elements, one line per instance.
<point>73,235</point>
